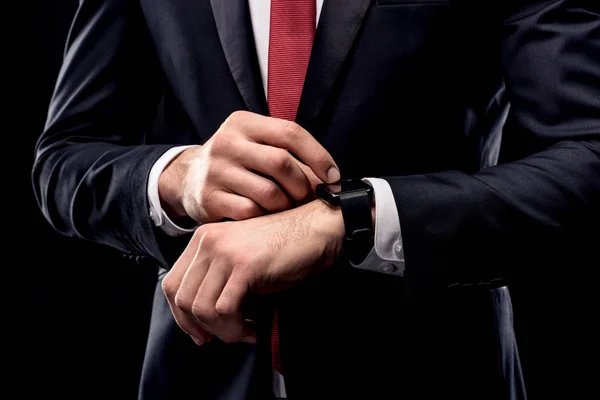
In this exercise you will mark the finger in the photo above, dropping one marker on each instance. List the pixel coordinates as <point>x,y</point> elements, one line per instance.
<point>281,166</point>
<point>262,191</point>
<point>172,280</point>
<point>204,304</point>
<point>291,136</point>
<point>171,283</point>
<point>191,281</point>
<point>171,286</point>
<point>190,326</point>
<point>310,175</point>
<point>229,307</point>
<point>234,206</point>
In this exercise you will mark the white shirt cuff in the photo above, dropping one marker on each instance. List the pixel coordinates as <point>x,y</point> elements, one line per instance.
<point>278,385</point>
<point>157,214</point>
<point>387,256</point>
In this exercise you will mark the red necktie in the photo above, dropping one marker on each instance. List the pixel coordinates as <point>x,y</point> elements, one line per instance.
<point>292,30</point>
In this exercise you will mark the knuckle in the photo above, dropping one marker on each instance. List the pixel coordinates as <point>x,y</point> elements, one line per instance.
<point>228,210</point>
<point>210,239</point>
<point>228,122</point>
<point>203,311</point>
<point>199,233</point>
<point>224,308</point>
<point>184,303</point>
<point>247,210</point>
<point>243,270</point>
<point>281,161</point>
<point>211,209</point>
<point>211,169</point>
<point>268,190</point>
<point>292,130</point>
<point>237,115</point>
<point>221,143</point>
<point>241,262</point>
<point>168,288</point>
<point>234,119</point>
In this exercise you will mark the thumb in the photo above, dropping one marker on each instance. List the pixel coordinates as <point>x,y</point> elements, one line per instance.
<point>312,178</point>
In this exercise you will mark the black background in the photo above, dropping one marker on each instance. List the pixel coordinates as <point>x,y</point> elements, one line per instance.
<point>81,311</point>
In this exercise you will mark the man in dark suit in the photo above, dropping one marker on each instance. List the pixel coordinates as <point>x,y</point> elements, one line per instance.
<point>386,295</point>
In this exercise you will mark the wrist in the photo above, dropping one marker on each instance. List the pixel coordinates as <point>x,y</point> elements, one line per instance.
<point>330,223</point>
<point>171,184</point>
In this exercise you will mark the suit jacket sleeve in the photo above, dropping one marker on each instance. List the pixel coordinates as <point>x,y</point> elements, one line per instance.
<point>91,166</point>
<point>537,211</point>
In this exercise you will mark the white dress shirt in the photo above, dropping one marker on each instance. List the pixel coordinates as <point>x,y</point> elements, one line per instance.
<point>387,256</point>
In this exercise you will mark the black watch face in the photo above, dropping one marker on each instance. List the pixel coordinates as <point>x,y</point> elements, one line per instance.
<point>347,185</point>
<point>330,191</point>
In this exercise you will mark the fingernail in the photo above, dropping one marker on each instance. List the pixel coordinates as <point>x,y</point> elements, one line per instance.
<point>197,340</point>
<point>333,175</point>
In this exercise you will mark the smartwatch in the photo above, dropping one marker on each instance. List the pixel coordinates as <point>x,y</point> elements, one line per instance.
<point>354,197</point>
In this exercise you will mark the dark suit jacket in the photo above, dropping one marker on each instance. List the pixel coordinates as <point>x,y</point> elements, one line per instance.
<point>404,89</point>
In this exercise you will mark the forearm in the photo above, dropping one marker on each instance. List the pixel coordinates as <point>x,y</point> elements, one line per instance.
<point>530,214</point>
<point>515,219</point>
<point>98,192</point>
<point>91,171</point>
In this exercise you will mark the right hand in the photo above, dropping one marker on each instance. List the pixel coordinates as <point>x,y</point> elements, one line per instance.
<point>245,170</point>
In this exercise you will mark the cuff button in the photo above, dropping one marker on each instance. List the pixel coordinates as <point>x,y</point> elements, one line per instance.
<point>388,268</point>
<point>398,248</point>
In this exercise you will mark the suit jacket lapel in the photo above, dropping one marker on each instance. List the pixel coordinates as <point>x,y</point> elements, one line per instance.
<point>339,23</point>
<point>233,22</point>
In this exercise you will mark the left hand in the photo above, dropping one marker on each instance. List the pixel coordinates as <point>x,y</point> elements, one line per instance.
<point>226,261</point>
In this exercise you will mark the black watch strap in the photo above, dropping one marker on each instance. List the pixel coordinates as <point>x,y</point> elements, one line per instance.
<point>356,212</point>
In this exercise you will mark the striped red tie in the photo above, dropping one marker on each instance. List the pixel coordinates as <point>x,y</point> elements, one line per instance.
<point>292,30</point>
